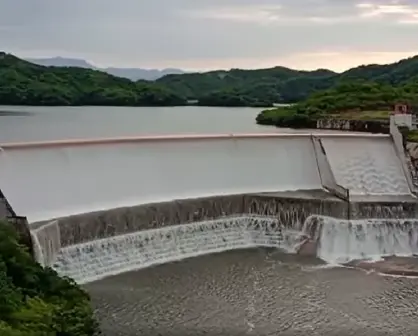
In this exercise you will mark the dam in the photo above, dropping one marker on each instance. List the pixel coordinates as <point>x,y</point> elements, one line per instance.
<point>99,210</point>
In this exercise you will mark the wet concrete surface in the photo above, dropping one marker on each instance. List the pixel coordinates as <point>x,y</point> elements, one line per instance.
<point>255,292</point>
<point>404,266</point>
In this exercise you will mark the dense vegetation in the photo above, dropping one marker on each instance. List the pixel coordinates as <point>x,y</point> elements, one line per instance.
<point>283,85</point>
<point>347,100</point>
<point>35,301</point>
<point>258,87</point>
<point>24,83</point>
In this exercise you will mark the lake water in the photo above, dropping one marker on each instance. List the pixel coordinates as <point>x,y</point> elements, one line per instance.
<point>49,123</point>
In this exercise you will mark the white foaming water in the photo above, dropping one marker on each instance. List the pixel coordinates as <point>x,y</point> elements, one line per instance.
<point>338,242</point>
<point>341,241</point>
<point>366,165</point>
<point>47,243</point>
<point>101,258</point>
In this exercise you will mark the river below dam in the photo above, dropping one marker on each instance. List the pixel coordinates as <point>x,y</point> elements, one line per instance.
<point>255,292</point>
<point>258,291</point>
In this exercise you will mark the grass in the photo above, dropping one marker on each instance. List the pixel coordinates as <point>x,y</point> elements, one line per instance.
<point>363,115</point>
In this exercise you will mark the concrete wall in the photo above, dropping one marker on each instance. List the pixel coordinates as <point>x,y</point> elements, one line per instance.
<point>291,211</point>
<point>402,154</point>
<point>5,208</point>
<point>51,182</point>
<point>354,125</point>
<point>325,172</point>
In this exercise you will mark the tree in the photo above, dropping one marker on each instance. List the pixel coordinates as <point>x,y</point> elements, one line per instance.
<point>36,300</point>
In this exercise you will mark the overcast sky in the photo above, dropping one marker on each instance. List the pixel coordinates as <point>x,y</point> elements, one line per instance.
<point>208,34</point>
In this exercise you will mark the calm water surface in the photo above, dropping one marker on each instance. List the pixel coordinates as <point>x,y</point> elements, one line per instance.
<point>50,123</point>
<point>29,123</point>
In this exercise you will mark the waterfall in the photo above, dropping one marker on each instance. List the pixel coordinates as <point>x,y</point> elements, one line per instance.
<point>335,241</point>
<point>340,241</point>
<point>47,243</point>
<point>366,166</point>
<point>100,258</point>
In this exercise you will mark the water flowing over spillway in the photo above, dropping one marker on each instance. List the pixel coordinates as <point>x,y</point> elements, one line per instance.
<point>94,260</point>
<point>53,182</point>
<point>341,241</point>
<point>366,165</point>
<point>337,242</point>
<point>66,183</point>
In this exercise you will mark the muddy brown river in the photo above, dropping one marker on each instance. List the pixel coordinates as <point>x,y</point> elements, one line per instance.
<point>255,292</point>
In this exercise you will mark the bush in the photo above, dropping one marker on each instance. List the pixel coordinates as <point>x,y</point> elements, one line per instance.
<point>287,117</point>
<point>36,301</point>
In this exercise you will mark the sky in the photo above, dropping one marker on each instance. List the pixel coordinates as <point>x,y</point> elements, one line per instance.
<point>213,34</point>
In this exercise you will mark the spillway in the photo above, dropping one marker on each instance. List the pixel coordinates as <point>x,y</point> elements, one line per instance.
<point>106,206</point>
<point>51,182</point>
<point>341,241</point>
<point>335,241</point>
<point>366,166</point>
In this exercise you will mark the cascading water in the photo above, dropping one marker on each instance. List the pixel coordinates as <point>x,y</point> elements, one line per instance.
<point>366,166</point>
<point>47,242</point>
<point>337,242</point>
<point>97,259</point>
<point>341,241</point>
<point>166,170</point>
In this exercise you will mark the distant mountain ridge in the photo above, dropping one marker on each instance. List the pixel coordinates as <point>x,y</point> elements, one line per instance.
<point>133,74</point>
<point>22,82</point>
<point>26,83</point>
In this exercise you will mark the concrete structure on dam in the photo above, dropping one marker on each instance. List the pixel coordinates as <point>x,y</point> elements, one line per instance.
<point>105,206</point>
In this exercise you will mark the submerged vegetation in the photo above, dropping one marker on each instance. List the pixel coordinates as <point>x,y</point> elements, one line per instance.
<point>35,301</point>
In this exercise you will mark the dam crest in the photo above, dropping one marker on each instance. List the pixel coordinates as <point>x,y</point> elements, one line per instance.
<point>100,207</point>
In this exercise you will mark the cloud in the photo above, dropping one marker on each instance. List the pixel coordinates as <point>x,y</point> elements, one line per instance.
<point>209,33</point>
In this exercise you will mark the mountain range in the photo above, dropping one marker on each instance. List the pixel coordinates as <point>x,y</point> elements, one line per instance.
<point>133,74</point>
<point>25,83</point>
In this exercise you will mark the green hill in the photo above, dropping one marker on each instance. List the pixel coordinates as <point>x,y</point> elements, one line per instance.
<point>36,300</point>
<point>279,85</point>
<point>360,100</point>
<point>24,83</point>
<point>264,86</point>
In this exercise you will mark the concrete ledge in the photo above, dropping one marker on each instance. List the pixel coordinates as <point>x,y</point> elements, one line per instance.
<point>173,137</point>
<point>383,209</point>
<point>289,211</point>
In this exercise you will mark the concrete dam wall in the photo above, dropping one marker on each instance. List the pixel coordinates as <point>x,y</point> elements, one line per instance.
<point>101,207</point>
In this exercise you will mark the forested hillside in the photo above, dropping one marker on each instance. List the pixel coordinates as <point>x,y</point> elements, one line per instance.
<point>347,100</point>
<point>35,301</point>
<point>265,86</point>
<point>24,83</point>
